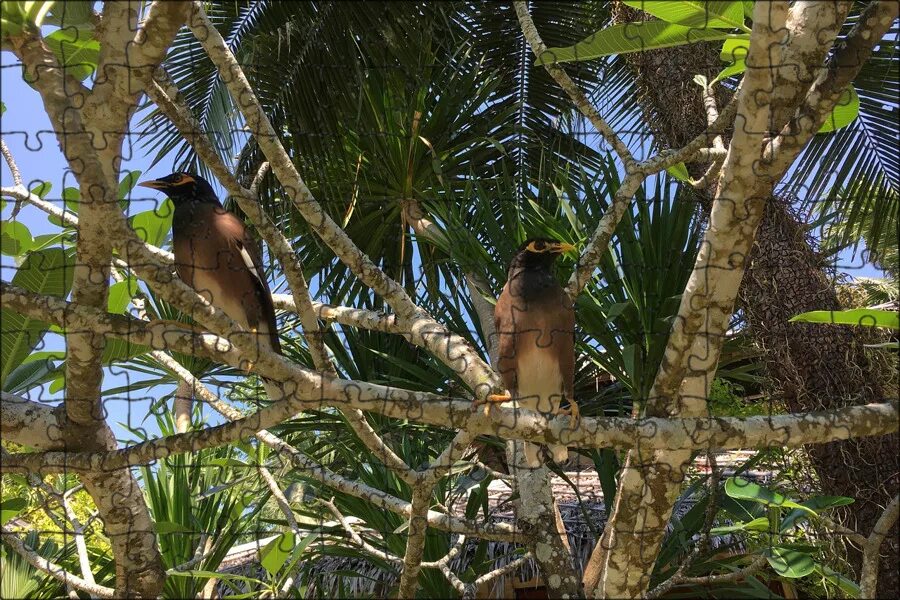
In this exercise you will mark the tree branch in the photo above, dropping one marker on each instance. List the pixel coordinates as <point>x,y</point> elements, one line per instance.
<point>54,570</point>
<point>450,348</point>
<point>872,547</point>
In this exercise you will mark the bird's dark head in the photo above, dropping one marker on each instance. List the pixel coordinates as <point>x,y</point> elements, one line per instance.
<point>539,253</point>
<point>184,188</point>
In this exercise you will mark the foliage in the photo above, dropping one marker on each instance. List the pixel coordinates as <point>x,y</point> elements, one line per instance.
<point>437,103</point>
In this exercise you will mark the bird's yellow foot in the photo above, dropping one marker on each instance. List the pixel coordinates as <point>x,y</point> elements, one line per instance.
<point>491,400</point>
<point>572,411</point>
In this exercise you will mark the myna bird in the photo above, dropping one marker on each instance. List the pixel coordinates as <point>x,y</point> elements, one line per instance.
<point>535,323</point>
<point>215,255</point>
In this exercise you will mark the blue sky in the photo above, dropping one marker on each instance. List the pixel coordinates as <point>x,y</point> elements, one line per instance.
<point>27,131</point>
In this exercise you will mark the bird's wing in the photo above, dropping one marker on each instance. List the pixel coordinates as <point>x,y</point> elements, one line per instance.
<point>246,247</point>
<point>506,342</point>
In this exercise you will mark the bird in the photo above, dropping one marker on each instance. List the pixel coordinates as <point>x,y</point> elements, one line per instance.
<point>217,257</point>
<point>535,323</point>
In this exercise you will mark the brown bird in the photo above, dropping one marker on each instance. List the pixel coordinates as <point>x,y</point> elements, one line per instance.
<point>535,323</point>
<point>215,255</point>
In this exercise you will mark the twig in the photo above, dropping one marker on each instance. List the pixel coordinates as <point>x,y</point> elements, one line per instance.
<point>871,553</point>
<point>570,87</point>
<point>357,539</point>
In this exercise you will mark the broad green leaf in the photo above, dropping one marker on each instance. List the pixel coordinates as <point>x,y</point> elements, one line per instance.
<point>847,585</point>
<point>47,272</point>
<point>29,374</point>
<point>16,16</point>
<point>15,239</point>
<point>694,13</point>
<point>120,295</point>
<point>741,489</point>
<point>68,14</point>
<point>10,507</point>
<point>790,563</point>
<point>58,384</point>
<point>46,240</point>
<point>127,184</point>
<point>679,171</point>
<point>845,111</point>
<point>76,49</point>
<point>734,50</point>
<point>42,189</point>
<point>867,317</point>
<point>731,70</point>
<point>633,37</point>
<point>818,504</point>
<point>748,8</point>
<point>72,197</point>
<point>276,552</point>
<point>153,225</point>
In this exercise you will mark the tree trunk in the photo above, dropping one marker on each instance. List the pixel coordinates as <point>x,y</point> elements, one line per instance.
<point>809,366</point>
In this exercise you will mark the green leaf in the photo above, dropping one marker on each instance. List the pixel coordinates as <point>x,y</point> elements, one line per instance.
<point>165,527</point>
<point>694,13</point>
<point>29,374</point>
<point>153,225</point>
<point>276,552</point>
<point>120,295</point>
<point>72,197</point>
<point>741,489</point>
<point>731,70</point>
<point>76,49</point>
<point>845,111</point>
<point>734,50</point>
<point>127,184</point>
<point>632,37</point>
<point>790,563</point>
<point>748,8</point>
<point>68,14</point>
<point>42,189</point>
<point>217,575</point>
<point>867,317</point>
<point>15,239</point>
<point>46,272</point>
<point>817,504</point>
<point>46,240</point>
<point>15,16</point>
<point>847,585</point>
<point>758,524</point>
<point>10,507</point>
<point>679,171</point>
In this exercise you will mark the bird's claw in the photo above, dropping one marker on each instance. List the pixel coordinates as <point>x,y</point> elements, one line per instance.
<point>490,401</point>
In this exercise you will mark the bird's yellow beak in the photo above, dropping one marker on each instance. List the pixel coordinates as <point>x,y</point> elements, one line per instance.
<point>154,184</point>
<point>564,248</point>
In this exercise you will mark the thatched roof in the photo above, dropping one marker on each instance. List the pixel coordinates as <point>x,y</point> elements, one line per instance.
<point>583,512</point>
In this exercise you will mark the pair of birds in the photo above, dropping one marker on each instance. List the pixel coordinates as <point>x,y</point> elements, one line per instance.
<point>535,320</point>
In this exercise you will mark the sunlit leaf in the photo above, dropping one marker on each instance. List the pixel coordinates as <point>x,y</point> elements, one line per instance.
<point>845,111</point>
<point>866,317</point>
<point>633,37</point>
<point>694,13</point>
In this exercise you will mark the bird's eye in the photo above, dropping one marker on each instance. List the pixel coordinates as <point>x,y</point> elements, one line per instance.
<point>537,247</point>
<point>176,179</point>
